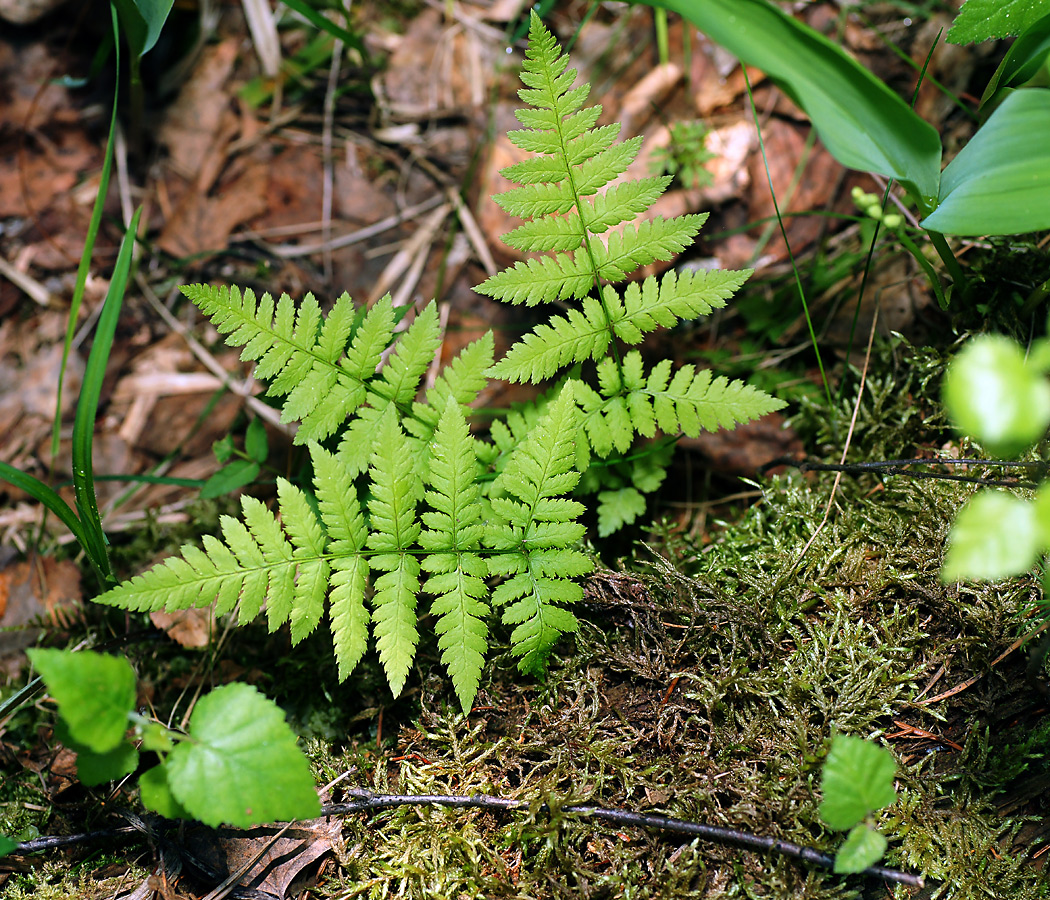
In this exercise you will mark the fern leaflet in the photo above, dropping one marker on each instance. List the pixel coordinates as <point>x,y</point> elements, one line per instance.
<point>538,528</point>
<point>396,489</point>
<point>453,539</point>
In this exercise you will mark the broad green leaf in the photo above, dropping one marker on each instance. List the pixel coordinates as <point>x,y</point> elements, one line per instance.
<point>860,120</point>
<point>1022,64</point>
<point>981,20</point>
<point>241,765</point>
<point>237,474</point>
<point>94,692</point>
<point>155,793</point>
<point>7,845</point>
<point>255,444</point>
<point>857,780</point>
<point>864,847</point>
<point>994,536</point>
<point>142,21</point>
<point>994,395</point>
<point>99,768</point>
<point>999,183</point>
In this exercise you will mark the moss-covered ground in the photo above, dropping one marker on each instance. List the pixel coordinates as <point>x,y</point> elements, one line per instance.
<point>706,681</point>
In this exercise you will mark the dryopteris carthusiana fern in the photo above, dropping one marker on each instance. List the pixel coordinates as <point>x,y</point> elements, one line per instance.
<point>406,500</point>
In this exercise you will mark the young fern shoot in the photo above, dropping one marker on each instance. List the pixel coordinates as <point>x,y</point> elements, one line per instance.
<point>405,501</point>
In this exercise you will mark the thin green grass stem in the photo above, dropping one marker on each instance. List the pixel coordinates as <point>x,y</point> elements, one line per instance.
<point>89,246</point>
<point>927,267</point>
<point>956,272</point>
<point>663,50</point>
<point>783,233</point>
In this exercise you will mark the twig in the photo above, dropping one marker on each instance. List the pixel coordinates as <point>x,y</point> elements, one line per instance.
<point>367,801</point>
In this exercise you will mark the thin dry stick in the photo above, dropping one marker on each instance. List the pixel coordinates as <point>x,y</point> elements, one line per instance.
<point>845,448</point>
<point>289,251</point>
<point>326,155</point>
<point>366,801</point>
<point>243,389</point>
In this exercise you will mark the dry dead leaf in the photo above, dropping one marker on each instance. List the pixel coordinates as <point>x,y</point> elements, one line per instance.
<point>195,120</point>
<point>202,224</point>
<point>42,590</point>
<point>188,627</point>
<point>282,869</point>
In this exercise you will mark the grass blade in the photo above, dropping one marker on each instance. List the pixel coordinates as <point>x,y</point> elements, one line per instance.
<point>87,406</point>
<point>89,246</point>
<point>54,503</point>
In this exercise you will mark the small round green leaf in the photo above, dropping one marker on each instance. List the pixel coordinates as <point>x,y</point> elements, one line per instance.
<point>155,794</point>
<point>94,692</point>
<point>234,475</point>
<point>994,536</point>
<point>994,395</point>
<point>864,847</point>
<point>242,765</point>
<point>858,778</point>
<point>99,768</point>
<point>255,442</point>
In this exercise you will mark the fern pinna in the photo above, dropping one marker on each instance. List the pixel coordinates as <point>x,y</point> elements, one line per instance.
<point>405,500</point>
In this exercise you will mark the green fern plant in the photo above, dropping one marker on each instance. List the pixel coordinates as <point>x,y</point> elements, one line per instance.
<point>406,501</point>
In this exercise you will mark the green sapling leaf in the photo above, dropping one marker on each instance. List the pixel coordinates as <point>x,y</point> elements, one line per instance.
<point>155,794</point>
<point>857,779</point>
<point>863,847</point>
<point>993,394</point>
<point>993,536</point>
<point>256,445</point>
<point>7,845</point>
<point>241,765</point>
<point>238,474</point>
<point>99,768</point>
<point>94,692</point>
<point>223,448</point>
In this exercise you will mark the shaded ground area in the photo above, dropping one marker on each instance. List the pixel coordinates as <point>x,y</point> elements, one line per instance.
<point>716,658</point>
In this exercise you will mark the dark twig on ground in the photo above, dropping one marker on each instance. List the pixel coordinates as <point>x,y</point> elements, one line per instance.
<point>903,467</point>
<point>366,801</point>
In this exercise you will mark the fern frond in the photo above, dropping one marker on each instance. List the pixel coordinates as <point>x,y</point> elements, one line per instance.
<point>461,380</point>
<point>537,528</point>
<point>347,532</point>
<point>260,561</point>
<point>397,385</point>
<point>411,358</point>
<point>452,538</point>
<point>622,202</point>
<point>690,402</point>
<point>396,489</point>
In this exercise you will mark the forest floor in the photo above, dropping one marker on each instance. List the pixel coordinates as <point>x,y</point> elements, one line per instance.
<point>761,610</point>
